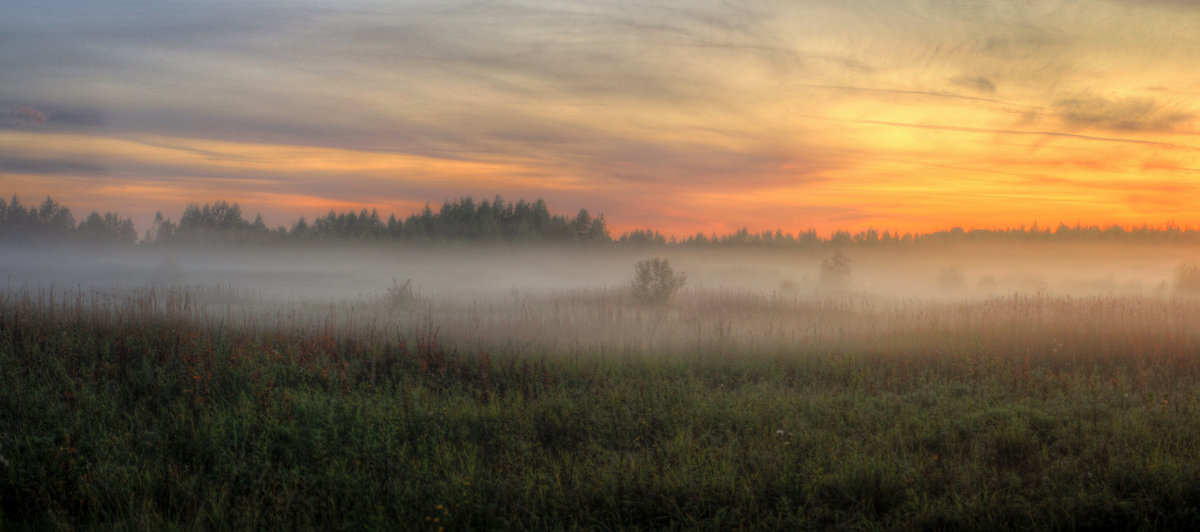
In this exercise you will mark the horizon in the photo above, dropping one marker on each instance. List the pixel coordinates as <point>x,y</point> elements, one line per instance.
<point>912,116</point>
<point>251,216</point>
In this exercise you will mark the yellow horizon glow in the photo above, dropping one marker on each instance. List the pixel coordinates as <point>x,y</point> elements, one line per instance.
<point>892,115</point>
<point>904,187</point>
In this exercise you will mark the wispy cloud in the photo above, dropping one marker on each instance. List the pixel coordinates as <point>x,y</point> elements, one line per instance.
<point>1123,114</point>
<point>22,115</point>
<point>24,165</point>
<point>42,116</point>
<point>1036,133</point>
<point>902,92</point>
<point>976,83</point>
<point>600,104</point>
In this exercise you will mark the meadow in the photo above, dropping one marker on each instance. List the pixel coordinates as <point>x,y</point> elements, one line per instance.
<point>795,407</point>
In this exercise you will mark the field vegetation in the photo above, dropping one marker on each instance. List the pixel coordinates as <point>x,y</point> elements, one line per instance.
<point>492,365</point>
<point>802,408</point>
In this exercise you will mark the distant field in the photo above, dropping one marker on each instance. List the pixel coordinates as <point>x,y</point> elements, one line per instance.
<point>797,408</point>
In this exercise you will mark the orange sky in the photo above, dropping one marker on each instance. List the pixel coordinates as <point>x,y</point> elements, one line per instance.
<point>902,115</point>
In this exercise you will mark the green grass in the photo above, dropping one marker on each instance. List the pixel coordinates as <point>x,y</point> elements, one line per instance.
<point>1052,413</point>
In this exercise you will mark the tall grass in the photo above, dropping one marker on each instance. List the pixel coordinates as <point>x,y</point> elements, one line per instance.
<point>171,409</point>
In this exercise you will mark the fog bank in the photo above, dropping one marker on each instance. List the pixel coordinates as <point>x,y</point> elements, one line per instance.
<point>482,272</point>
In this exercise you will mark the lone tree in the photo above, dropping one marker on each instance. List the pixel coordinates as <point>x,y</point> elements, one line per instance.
<point>654,282</point>
<point>836,269</point>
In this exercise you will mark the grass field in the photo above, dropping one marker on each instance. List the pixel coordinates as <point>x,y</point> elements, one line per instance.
<point>199,408</point>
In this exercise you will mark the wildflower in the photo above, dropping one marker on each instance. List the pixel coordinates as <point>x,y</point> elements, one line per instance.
<point>779,432</point>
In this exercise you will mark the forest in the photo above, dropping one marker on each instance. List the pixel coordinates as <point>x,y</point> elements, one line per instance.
<point>468,220</point>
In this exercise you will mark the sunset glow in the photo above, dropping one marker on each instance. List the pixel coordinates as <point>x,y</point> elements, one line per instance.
<point>693,117</point>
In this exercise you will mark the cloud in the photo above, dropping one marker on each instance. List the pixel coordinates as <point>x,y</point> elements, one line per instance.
<point>1037,133</point>
<point>22,165</point>
<point>394,76</point>
<point>1182,5</point>
<point>1126,114</point>
<point>60,115</point>
<point>571,98</point>
<point>21,116</point>
<point>900,92</point>
<point>25,116</point>
<point>977,84</point>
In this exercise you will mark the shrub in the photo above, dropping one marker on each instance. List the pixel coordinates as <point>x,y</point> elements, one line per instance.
<point>654,281</point>
<point>836,269</point>
<point>1187,278</point>
<point>399,294</point>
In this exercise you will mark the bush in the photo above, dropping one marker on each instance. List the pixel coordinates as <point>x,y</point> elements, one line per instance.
<point>654,281</point>
<point>1187,278</point>
<point>836,269</point>
<point>399,294</point>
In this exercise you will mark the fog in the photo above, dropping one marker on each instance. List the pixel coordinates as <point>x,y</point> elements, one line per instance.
<point>465,273</point>
<point>569,300</point>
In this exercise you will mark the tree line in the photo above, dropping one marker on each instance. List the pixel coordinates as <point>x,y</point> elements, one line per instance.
<point>52,220</point>
<point>497,220</point>
<point>223,222</point>
<point>460,220</point>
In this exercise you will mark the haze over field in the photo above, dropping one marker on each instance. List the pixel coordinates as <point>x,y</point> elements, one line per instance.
<point>483,272</point>
<point>911,115</point>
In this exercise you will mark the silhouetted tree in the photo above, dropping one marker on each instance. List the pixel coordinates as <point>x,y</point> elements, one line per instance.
<point>107,228</point>
<point>53,218</point>
<point>643,237</point>
<point>16,219</point>
<point>162,230</point>
<point>300,230</point>
<point>220,217</point>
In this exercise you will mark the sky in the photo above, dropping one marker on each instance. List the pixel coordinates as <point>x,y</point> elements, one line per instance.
<point>685,117</point>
